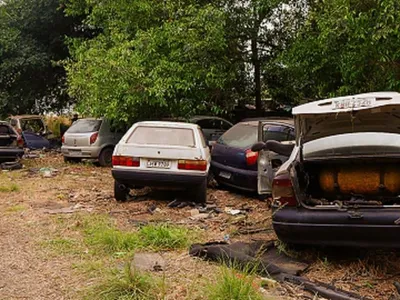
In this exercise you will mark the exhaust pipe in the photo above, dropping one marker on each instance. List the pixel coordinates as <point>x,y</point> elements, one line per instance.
<point>122,187</point>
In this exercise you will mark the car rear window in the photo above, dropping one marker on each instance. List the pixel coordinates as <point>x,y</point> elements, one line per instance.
<point>240,136</point>
<point>154,135</point>
<point>4,130</point>
<point>84,126</point>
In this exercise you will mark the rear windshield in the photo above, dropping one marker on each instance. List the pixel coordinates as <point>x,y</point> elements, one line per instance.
<point>84,126</point>
<point>162,136</point>
<point>240,136</point>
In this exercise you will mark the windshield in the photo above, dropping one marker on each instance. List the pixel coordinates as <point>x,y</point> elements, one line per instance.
<point>85,126</point>
<point>240,136</point>
<point>153,135</point>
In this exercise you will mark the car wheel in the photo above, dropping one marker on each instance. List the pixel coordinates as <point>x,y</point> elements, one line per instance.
<point>105,157</point>
<point>121,193</point>
<point>72,159</point>
<point>200,193</point>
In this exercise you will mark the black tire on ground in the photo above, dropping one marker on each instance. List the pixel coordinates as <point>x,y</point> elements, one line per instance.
<point>72,159</point>
<point>105,157</point>
<point>120,194</point>
<point>200,192</point>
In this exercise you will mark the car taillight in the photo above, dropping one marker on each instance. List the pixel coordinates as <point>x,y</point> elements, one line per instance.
<point>20,141</point>
<point>196,165</point>
<point>93,138</point>
<point>63,139</point>
<point>251,157</point>
<point>282,191</point>
<point>126,161</point>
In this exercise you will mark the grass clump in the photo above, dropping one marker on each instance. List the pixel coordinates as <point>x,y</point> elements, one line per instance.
<point>9,188</point>
<point>164,237</point>
<point>127,285</point>
<point>61,246</point>
<point>101,232</point>
<point>231,284</point>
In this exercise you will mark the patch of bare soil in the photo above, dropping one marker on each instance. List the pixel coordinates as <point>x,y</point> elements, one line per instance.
<point>50,191</point>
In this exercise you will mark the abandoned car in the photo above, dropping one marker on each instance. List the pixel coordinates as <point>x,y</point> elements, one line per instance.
<point>162,154</point>
<point>234,164</point>
<point>33,130</point>
<point>11,143</point>
<point>341,184</point>
<point>91,139</point>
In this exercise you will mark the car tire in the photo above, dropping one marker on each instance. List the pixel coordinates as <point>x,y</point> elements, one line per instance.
<point>105,157</point>
<point>72,159</point>
<point>200,192</point>
<point>120,194</point>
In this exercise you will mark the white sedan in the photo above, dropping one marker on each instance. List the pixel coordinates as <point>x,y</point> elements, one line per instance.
<point>162,154</point>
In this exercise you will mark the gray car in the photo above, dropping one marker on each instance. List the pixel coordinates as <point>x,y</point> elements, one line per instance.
<point>212,127</point>
<point>91,139</point>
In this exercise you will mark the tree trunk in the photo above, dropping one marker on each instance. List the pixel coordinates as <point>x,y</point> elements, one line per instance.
<point>257,75</point>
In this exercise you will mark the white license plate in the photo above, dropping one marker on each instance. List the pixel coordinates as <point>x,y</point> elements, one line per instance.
<point>159,164</point>
<point>350,103</point>
<point>225,175</point>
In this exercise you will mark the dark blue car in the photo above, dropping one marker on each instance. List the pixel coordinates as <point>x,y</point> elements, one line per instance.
<point>233,163</point>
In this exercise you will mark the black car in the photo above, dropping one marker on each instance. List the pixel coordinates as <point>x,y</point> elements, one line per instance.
<point>11,143</point>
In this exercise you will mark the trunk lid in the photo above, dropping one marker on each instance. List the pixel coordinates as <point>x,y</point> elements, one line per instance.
<point>371,112</point>
<point>78,135</point>
<point>230,156</point>
<point>77,139</point>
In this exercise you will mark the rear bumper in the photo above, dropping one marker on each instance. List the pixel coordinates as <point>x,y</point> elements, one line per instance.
<point>81,152</point>
<point>360,228</point>
<point>7,154</point>
<point>241,179</point>
<point>139,178</point>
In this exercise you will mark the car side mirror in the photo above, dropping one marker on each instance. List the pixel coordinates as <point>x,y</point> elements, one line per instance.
<point>257,147</point>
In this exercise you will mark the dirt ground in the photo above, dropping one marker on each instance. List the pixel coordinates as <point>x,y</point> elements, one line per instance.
<point>39,206</point>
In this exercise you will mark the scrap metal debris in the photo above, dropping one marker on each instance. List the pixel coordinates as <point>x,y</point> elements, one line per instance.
<point>266,259</point>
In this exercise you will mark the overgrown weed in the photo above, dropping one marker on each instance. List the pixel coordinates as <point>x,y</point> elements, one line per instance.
<point>128,284</point>
<point>232,284</point>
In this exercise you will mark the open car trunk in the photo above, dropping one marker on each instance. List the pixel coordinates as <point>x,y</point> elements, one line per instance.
<point>355,182</point>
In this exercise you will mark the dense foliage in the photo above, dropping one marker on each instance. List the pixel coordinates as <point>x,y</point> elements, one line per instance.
<point>345,47</point>
<point>31,43</point>
<point>141,59</point>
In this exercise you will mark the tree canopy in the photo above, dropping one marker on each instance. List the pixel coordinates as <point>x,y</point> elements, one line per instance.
<point>142,59</point>
<point>345,47</point>
<point>31,45</point>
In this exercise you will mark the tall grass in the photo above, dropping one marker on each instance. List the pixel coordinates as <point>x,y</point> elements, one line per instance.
<point>234,285</point>
<point>128,284</point>
<point>101,233</point>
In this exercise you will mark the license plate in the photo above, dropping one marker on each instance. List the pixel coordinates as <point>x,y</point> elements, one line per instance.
<point>350,103</point>
<point>159,164</point>
<point>75,152</point>
<point>225,175</point>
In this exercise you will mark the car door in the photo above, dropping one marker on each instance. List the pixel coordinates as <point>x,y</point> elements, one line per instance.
<point>268,161</point>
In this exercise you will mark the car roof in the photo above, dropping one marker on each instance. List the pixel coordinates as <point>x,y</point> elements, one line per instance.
<point>167,124</point>
<point>26,117</point>
<point>283,121</point>
<point>325,106</point>
<point>200,117</point>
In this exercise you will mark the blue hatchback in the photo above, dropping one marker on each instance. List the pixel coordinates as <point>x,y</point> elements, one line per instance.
<point>233,163</point>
